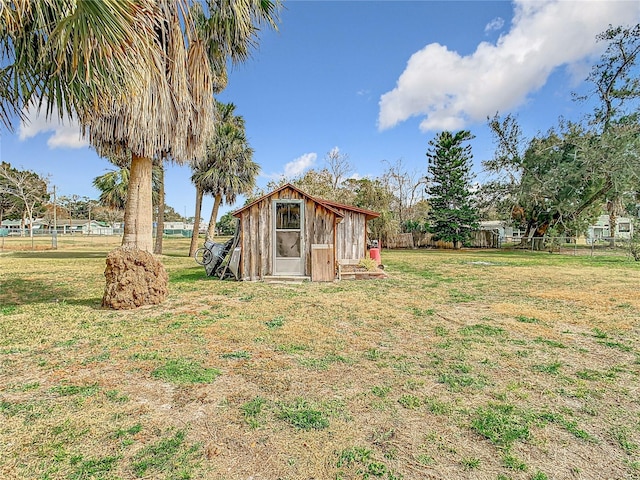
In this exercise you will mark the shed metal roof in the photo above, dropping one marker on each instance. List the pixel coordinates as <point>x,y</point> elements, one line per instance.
<point>330,205</point>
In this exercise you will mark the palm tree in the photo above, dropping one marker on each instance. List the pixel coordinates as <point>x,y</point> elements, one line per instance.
<point>139,74</point>
<point>160,206</point>
<point>224,115</point>
<point>234,172</point>
<point>114,187</point>
<point>228,169</point>
<point>196,220</point>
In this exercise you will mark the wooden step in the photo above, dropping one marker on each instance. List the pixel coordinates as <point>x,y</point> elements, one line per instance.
<point>286,279</point>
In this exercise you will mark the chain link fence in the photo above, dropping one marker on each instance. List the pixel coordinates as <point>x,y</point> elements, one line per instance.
<point>599,247</point>
<point>47,240</point>
<point>53,241</point>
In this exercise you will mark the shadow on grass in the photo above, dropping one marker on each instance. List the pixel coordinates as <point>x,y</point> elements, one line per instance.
<point>176,254</point>
<point>95,303</point>
<point>18,291</point>
<point>58,254</point>
<point>189,275</point>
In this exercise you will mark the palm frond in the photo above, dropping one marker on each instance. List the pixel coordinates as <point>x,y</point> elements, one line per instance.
<point>228,169</point>
<point>74,55</point>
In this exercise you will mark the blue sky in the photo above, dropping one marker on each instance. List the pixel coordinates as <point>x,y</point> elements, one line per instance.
<point>377,80</point>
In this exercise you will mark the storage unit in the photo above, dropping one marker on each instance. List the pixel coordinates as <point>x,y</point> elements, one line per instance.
<point>278,233</point>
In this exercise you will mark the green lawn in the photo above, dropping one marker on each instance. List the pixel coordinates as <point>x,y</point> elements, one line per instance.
<point>471,364</point>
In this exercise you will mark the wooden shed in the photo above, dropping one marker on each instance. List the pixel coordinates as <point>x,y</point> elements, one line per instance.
<point>288,233</point>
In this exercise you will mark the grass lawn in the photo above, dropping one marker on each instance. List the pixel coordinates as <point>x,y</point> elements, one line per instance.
<point>471,364</point>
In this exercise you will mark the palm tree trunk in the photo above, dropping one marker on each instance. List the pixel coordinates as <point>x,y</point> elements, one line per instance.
<point>196,222</point>
<point>160,218</point>
<point>613,223</point>
<point>211,231</point>
<point>138,213</point>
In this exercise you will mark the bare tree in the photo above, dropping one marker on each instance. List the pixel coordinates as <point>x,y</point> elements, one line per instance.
<point>407,188</point>
<point>28,188</point>
<point>339,167</point>
<point>108,214</point>
<point>7,203</point>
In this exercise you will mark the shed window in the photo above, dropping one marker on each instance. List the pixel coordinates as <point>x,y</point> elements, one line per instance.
<point>624,227</point>
<point>288,216</point>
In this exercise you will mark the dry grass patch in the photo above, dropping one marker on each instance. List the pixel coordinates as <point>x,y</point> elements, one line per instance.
<point>472,364</point>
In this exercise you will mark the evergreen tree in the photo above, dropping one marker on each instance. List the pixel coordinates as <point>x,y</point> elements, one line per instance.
<point>453,215</point>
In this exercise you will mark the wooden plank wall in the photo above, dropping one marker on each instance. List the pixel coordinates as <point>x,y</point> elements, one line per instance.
<point>351,236</point>
<point>255,242</point>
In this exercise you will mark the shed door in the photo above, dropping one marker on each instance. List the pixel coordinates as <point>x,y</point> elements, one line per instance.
<point>288,237</point>
<point>322,263</point>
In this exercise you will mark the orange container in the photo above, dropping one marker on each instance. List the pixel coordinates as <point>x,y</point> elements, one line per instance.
<point>374,254</point>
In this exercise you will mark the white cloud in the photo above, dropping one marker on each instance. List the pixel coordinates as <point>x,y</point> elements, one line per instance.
<point>63,134</point>
<point>451,91</point>
<point>300,164</point>
<point>495,24</point>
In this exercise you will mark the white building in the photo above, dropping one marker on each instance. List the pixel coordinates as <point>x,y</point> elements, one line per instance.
<point>601,229</point>
<point>505,232</point>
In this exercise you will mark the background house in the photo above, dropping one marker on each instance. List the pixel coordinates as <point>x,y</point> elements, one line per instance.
<point>601,229</point>
<point>63,226</point>
<point>288,233</point>
<point>503,231</point>
<point>82,226</point>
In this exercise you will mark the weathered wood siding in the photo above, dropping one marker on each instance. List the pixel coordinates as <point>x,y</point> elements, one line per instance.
<point>256,239</point>
<point>319,229</point>
<point>255,242</point>
<point>351,236</point>
<point>323,264</point>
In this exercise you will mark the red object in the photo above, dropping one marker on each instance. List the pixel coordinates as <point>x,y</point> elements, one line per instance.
<point>374,253</point>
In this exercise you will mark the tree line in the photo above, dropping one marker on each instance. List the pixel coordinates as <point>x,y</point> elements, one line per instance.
<point>26,196</point>
<point>555,183</point>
